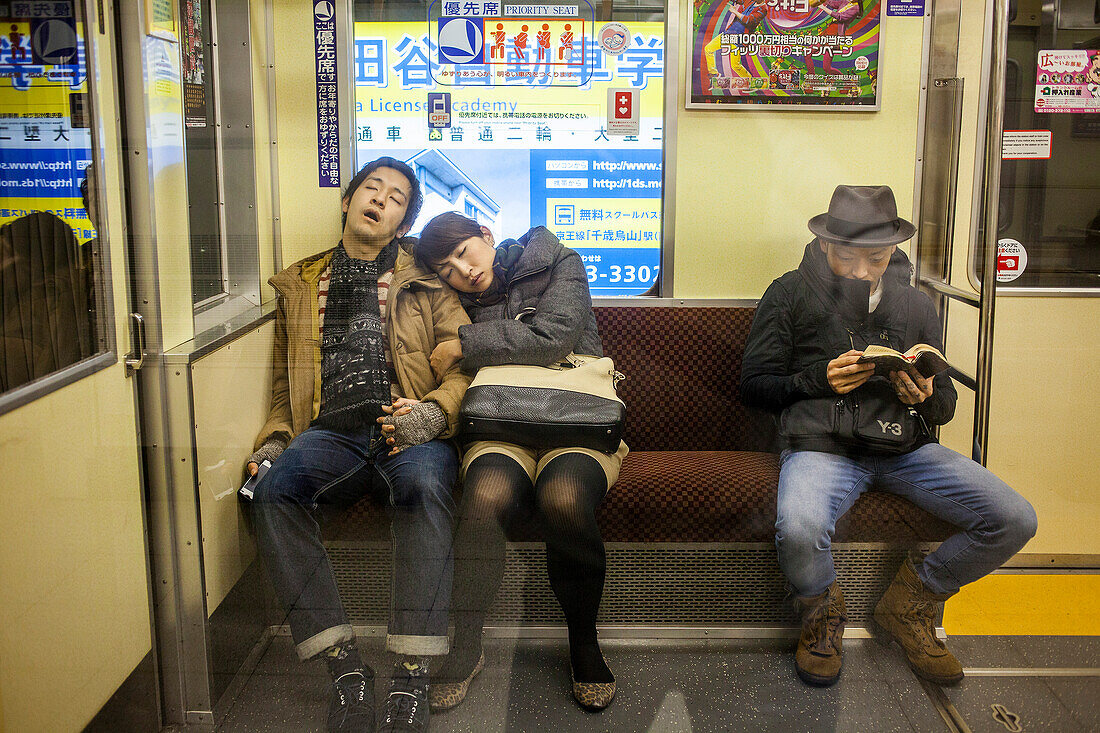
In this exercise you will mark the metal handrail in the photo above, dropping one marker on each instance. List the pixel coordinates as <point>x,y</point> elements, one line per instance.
<point>992,190</point>
<point>963,378</point>
<point>951,291</point>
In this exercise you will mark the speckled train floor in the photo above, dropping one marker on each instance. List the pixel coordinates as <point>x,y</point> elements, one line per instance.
<point>713,685</point>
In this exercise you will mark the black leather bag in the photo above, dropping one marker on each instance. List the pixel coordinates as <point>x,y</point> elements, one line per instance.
<point>868,418</point>
<point>572,403</point>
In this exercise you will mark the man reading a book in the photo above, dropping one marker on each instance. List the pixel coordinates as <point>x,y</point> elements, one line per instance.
<point>846,431</point>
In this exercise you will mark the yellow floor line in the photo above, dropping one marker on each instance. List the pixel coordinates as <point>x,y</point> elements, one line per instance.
<point>1025,605</point>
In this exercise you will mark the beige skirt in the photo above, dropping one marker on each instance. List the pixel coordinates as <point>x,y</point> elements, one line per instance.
<point>533,460</point>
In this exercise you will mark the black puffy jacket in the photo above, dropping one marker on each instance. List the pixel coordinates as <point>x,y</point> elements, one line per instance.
<point>809,316</point>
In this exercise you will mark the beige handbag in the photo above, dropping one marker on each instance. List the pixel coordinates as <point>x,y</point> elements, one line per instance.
<point>570,403</point>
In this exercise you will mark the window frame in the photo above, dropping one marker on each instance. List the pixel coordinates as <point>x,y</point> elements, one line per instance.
<point>673,82</point>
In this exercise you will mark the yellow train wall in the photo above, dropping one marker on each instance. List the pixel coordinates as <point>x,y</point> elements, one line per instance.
<point>74,595</point>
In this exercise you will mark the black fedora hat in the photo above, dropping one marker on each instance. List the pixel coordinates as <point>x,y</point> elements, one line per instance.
<point>862,216</point>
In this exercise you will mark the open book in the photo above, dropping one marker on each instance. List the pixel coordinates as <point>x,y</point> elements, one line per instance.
<point>922,359</point>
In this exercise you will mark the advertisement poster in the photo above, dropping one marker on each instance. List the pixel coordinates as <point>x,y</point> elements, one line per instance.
<point>519,137</point>
<point>325,82</point>
<point>1068,81</point>
<point>194,66</point>
<point>785,52</point>
<point>43,151</point>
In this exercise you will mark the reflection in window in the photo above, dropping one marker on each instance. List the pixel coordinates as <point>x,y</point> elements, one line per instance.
<point>45,289</point>
<point>48,233</point>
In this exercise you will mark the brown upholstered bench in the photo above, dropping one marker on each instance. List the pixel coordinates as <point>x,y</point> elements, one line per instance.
<point>689,525</point>
<point>701,467</point>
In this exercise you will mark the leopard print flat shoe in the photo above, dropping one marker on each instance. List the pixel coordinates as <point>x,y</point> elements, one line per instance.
<point>446,695</point>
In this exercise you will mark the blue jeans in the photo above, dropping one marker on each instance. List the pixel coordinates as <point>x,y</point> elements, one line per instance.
<point>816,489</point>
<point>323,470</point>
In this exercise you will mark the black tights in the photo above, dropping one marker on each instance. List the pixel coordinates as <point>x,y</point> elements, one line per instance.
<point>497,493</point>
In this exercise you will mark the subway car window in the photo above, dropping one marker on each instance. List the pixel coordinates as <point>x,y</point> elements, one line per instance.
<point>51,253</point>
<point>1049,227</point>
<point>208,256</point>
<point>500,111</point>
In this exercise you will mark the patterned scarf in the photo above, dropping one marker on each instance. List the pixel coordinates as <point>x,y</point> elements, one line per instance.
<point>354,384</point>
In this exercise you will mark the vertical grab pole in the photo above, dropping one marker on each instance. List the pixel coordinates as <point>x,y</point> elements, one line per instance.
<point>991,202</point>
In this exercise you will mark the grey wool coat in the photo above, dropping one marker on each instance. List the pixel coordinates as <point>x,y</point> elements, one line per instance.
<point>547,287</point>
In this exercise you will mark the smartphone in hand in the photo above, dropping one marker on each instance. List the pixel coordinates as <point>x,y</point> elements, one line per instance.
<point>248,489</point>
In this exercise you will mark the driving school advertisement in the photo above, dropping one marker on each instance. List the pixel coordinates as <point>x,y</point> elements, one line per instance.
<point>45,142</point>
<point>506,122</point>
<point>785,52</point>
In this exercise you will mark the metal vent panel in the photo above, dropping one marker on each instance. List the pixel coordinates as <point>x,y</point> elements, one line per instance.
<point>648,584</point>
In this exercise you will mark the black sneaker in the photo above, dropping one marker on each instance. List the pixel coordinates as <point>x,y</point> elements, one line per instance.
<point>406,707</point>
<point>351,709</point>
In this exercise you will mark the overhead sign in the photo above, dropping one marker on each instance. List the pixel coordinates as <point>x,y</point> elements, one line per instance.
<point>489,43</point>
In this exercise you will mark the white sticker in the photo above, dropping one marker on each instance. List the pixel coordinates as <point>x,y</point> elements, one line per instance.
<point>1026,144</point>
<point>1011,260</point>
<point>622,112</point>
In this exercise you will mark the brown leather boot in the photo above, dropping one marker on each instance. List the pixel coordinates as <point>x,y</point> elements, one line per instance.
<point>817,659</point>
<point>907,612</point>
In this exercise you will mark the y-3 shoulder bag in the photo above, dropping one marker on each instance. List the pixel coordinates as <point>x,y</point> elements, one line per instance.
<point>570,403</point>
<point>869,418</point>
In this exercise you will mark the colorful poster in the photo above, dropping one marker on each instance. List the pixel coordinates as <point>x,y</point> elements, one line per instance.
<point>194,65</point>
<point>523,147</point>
<point>1068,81</point>
<point>43,150</point>
<point>785,52</point>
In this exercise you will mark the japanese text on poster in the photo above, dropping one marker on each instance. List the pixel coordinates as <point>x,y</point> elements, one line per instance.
<point>524,150</point>
<point>1067,81</point>
<point>328,118</point>
<point>785,52</point>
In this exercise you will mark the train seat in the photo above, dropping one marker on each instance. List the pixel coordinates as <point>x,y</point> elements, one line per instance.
<point>701,466</point>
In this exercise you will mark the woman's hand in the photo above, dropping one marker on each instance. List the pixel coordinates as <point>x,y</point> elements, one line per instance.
<point>844,374</point>
<point>253,467</point>
<point>911,390</point>
<point>445,355</point>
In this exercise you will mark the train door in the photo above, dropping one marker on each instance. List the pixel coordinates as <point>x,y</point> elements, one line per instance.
<point>195,145</point>
<point>1024,237</point>
<point>73,551</point>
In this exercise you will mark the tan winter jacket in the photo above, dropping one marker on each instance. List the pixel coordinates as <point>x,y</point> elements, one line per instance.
<point>421,312</point>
